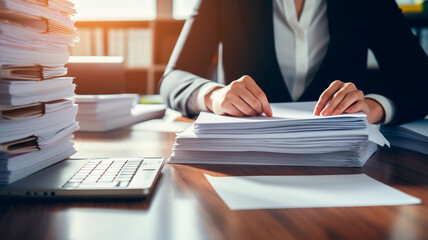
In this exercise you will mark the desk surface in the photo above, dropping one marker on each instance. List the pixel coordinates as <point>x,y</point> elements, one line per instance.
<point>184,205</point>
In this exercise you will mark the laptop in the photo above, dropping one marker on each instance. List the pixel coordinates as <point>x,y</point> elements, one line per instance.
<point>90,178</point>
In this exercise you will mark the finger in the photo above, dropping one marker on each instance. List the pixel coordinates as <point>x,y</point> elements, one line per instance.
<point>338,98</point>
<point>243,106</point>
<point>239,88</point>
<point>251,101</point>
<point>351,98</point>
<point>327,95</point>
<point>359,106</point>
<point>229,109</point>
<point>259,94</point>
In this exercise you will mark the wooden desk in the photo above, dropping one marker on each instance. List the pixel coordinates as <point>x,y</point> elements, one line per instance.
<point>184,205</point>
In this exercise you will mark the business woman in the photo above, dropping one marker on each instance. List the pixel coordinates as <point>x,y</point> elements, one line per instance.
<point>298,50</point>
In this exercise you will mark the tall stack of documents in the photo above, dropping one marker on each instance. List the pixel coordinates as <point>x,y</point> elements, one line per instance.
<point>412,136</point>
<point>292,137</point>
<point>37,114</point>
<point>99,113</point>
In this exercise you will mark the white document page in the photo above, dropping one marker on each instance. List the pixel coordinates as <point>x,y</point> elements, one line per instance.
<point>420,127</point>
<point>281,112</point>
<point>270,192</point>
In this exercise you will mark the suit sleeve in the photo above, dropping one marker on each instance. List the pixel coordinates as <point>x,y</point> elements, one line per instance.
<point>192,56</point>
<point>401,60</point>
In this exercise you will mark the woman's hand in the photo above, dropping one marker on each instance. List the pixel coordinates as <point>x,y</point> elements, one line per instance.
<point>240,98</point>
<point>342,97</point>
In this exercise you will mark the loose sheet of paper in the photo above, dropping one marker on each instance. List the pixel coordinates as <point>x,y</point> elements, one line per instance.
<point>270,192</point>
<point>420,127</point>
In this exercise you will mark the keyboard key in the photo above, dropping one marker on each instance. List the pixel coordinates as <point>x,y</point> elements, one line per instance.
<point>75,180</point>
<point>88,165</point>
<point>70,185</point>
<point>104,174</point>
<point>151,168</point>
<point>78,177</point>
<point>112,168</point>
<point>106,161</point>
<point>134,161</point>
<point>123,184</point>
<point>119,162</point>
<point>104,181</point>
<point>132,164</point>
<point>129,169</point>
<point>98,175</point>
<point>103,168</point>
<point>110,174</point>
<point>125,176</point>
<point>89,179</point>
<point>98,185</point>
<point>94,161</point>
<point>123,179</point>
<point>107,177</point>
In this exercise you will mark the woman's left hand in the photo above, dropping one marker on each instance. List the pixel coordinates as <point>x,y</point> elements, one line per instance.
<point>342,97</point>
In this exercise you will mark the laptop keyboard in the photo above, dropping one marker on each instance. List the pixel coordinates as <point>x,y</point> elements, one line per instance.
<point>104,173</point>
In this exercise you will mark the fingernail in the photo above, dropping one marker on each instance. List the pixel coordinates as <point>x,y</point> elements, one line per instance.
<point>325,113</point>
<point>335,112</point>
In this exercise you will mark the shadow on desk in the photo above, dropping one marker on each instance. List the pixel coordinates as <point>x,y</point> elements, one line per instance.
<point>388,165</point>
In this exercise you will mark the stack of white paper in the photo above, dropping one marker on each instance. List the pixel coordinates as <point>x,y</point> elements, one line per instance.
<point>292,137</point>
<point>100,113</point>
<point>37,116</point>
<point>56,116</point>
<point>16,92</point>
<point>412,136</point>
<point>35,32</point>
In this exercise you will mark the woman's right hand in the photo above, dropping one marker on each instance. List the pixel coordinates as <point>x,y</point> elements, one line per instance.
<point>240,98</point>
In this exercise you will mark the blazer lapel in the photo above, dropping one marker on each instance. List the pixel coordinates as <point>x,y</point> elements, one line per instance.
<point>258,21</point>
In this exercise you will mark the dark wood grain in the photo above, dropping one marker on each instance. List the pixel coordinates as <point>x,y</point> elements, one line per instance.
<point>185,206</point>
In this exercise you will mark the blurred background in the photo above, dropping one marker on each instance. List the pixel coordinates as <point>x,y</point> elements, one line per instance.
<point>141,35</point>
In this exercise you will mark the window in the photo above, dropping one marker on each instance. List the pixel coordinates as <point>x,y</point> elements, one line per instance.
<point>115,10</point>
<point>181,9</point>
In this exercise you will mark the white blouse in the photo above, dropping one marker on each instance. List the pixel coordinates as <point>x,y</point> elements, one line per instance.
<point>300,44</point>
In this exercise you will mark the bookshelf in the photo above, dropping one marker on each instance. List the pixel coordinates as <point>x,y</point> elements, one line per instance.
<point>145,45</point>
